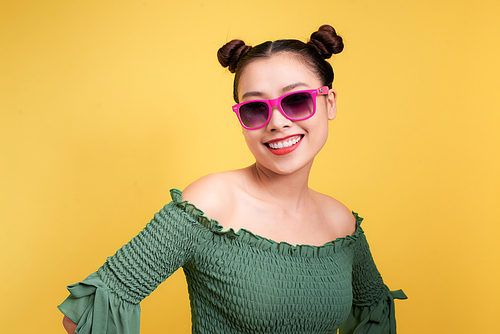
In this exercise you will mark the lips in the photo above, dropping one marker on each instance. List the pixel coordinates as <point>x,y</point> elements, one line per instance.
<point>284,145</point>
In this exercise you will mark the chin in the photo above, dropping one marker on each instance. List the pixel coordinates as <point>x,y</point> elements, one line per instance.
<point>287,164</point>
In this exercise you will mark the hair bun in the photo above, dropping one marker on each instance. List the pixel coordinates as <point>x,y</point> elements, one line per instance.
<point>231,53</point>
<point>326,41</point>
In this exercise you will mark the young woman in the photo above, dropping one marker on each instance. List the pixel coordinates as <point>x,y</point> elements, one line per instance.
<point>267,254</point>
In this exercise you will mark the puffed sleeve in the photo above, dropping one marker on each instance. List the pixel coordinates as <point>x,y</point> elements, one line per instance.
<point>372,311</point>
<point>107,302</point>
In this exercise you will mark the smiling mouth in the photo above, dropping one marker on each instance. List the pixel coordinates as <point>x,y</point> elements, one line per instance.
<point>284,143</point>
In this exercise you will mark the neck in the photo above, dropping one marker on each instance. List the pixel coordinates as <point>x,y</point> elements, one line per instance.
<point>288,190</point>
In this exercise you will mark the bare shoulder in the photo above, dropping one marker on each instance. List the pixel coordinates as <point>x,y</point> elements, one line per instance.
<point>212,193</point>
<point>337,214</point>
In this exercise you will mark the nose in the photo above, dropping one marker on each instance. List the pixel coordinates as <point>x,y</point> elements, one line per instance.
<point>278,121</point>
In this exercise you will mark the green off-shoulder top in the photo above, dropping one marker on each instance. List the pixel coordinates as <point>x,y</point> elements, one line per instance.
<point>238,282</point>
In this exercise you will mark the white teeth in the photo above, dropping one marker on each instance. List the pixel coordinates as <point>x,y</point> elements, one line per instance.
<point>286,143</point>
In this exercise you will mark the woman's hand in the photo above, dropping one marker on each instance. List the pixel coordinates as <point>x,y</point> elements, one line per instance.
<point>69,325</point>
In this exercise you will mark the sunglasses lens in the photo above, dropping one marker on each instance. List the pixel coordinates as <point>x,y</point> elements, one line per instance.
<point>298,106</point>
<point>254,114</point>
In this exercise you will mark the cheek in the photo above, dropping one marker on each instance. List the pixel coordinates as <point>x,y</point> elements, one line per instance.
<point>319,134</point>
<point>322,134</point>
<point>251,140</point>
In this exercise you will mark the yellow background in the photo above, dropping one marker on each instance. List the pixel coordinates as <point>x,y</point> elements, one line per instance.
<point>106,105</point>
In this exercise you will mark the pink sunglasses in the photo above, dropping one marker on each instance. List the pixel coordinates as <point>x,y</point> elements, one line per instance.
<point>295,106</point>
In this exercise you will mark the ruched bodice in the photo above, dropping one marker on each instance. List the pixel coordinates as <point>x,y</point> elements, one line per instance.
<point>238,282</point>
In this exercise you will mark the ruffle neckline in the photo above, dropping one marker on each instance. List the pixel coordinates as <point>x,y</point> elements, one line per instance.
<point>264,243</point>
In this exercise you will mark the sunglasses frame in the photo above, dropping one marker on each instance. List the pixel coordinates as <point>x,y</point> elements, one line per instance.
<point>324,90</point>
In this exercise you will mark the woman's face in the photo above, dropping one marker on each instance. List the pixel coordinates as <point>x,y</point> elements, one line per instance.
<point>269,78</point>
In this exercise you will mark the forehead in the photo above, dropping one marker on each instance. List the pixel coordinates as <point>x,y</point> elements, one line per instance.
<point>269,75</point>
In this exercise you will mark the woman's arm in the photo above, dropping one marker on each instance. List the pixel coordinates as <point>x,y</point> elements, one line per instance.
<point>69,325</point>
<point>372,311</point>
<point>108,301</point>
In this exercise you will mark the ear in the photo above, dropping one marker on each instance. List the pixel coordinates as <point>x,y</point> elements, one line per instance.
<point>332,104</point>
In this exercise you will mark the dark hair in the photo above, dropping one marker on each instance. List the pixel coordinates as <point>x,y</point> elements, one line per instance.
<point>323,44</point>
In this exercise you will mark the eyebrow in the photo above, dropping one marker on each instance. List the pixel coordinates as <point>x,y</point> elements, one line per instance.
<point>284,90</point>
